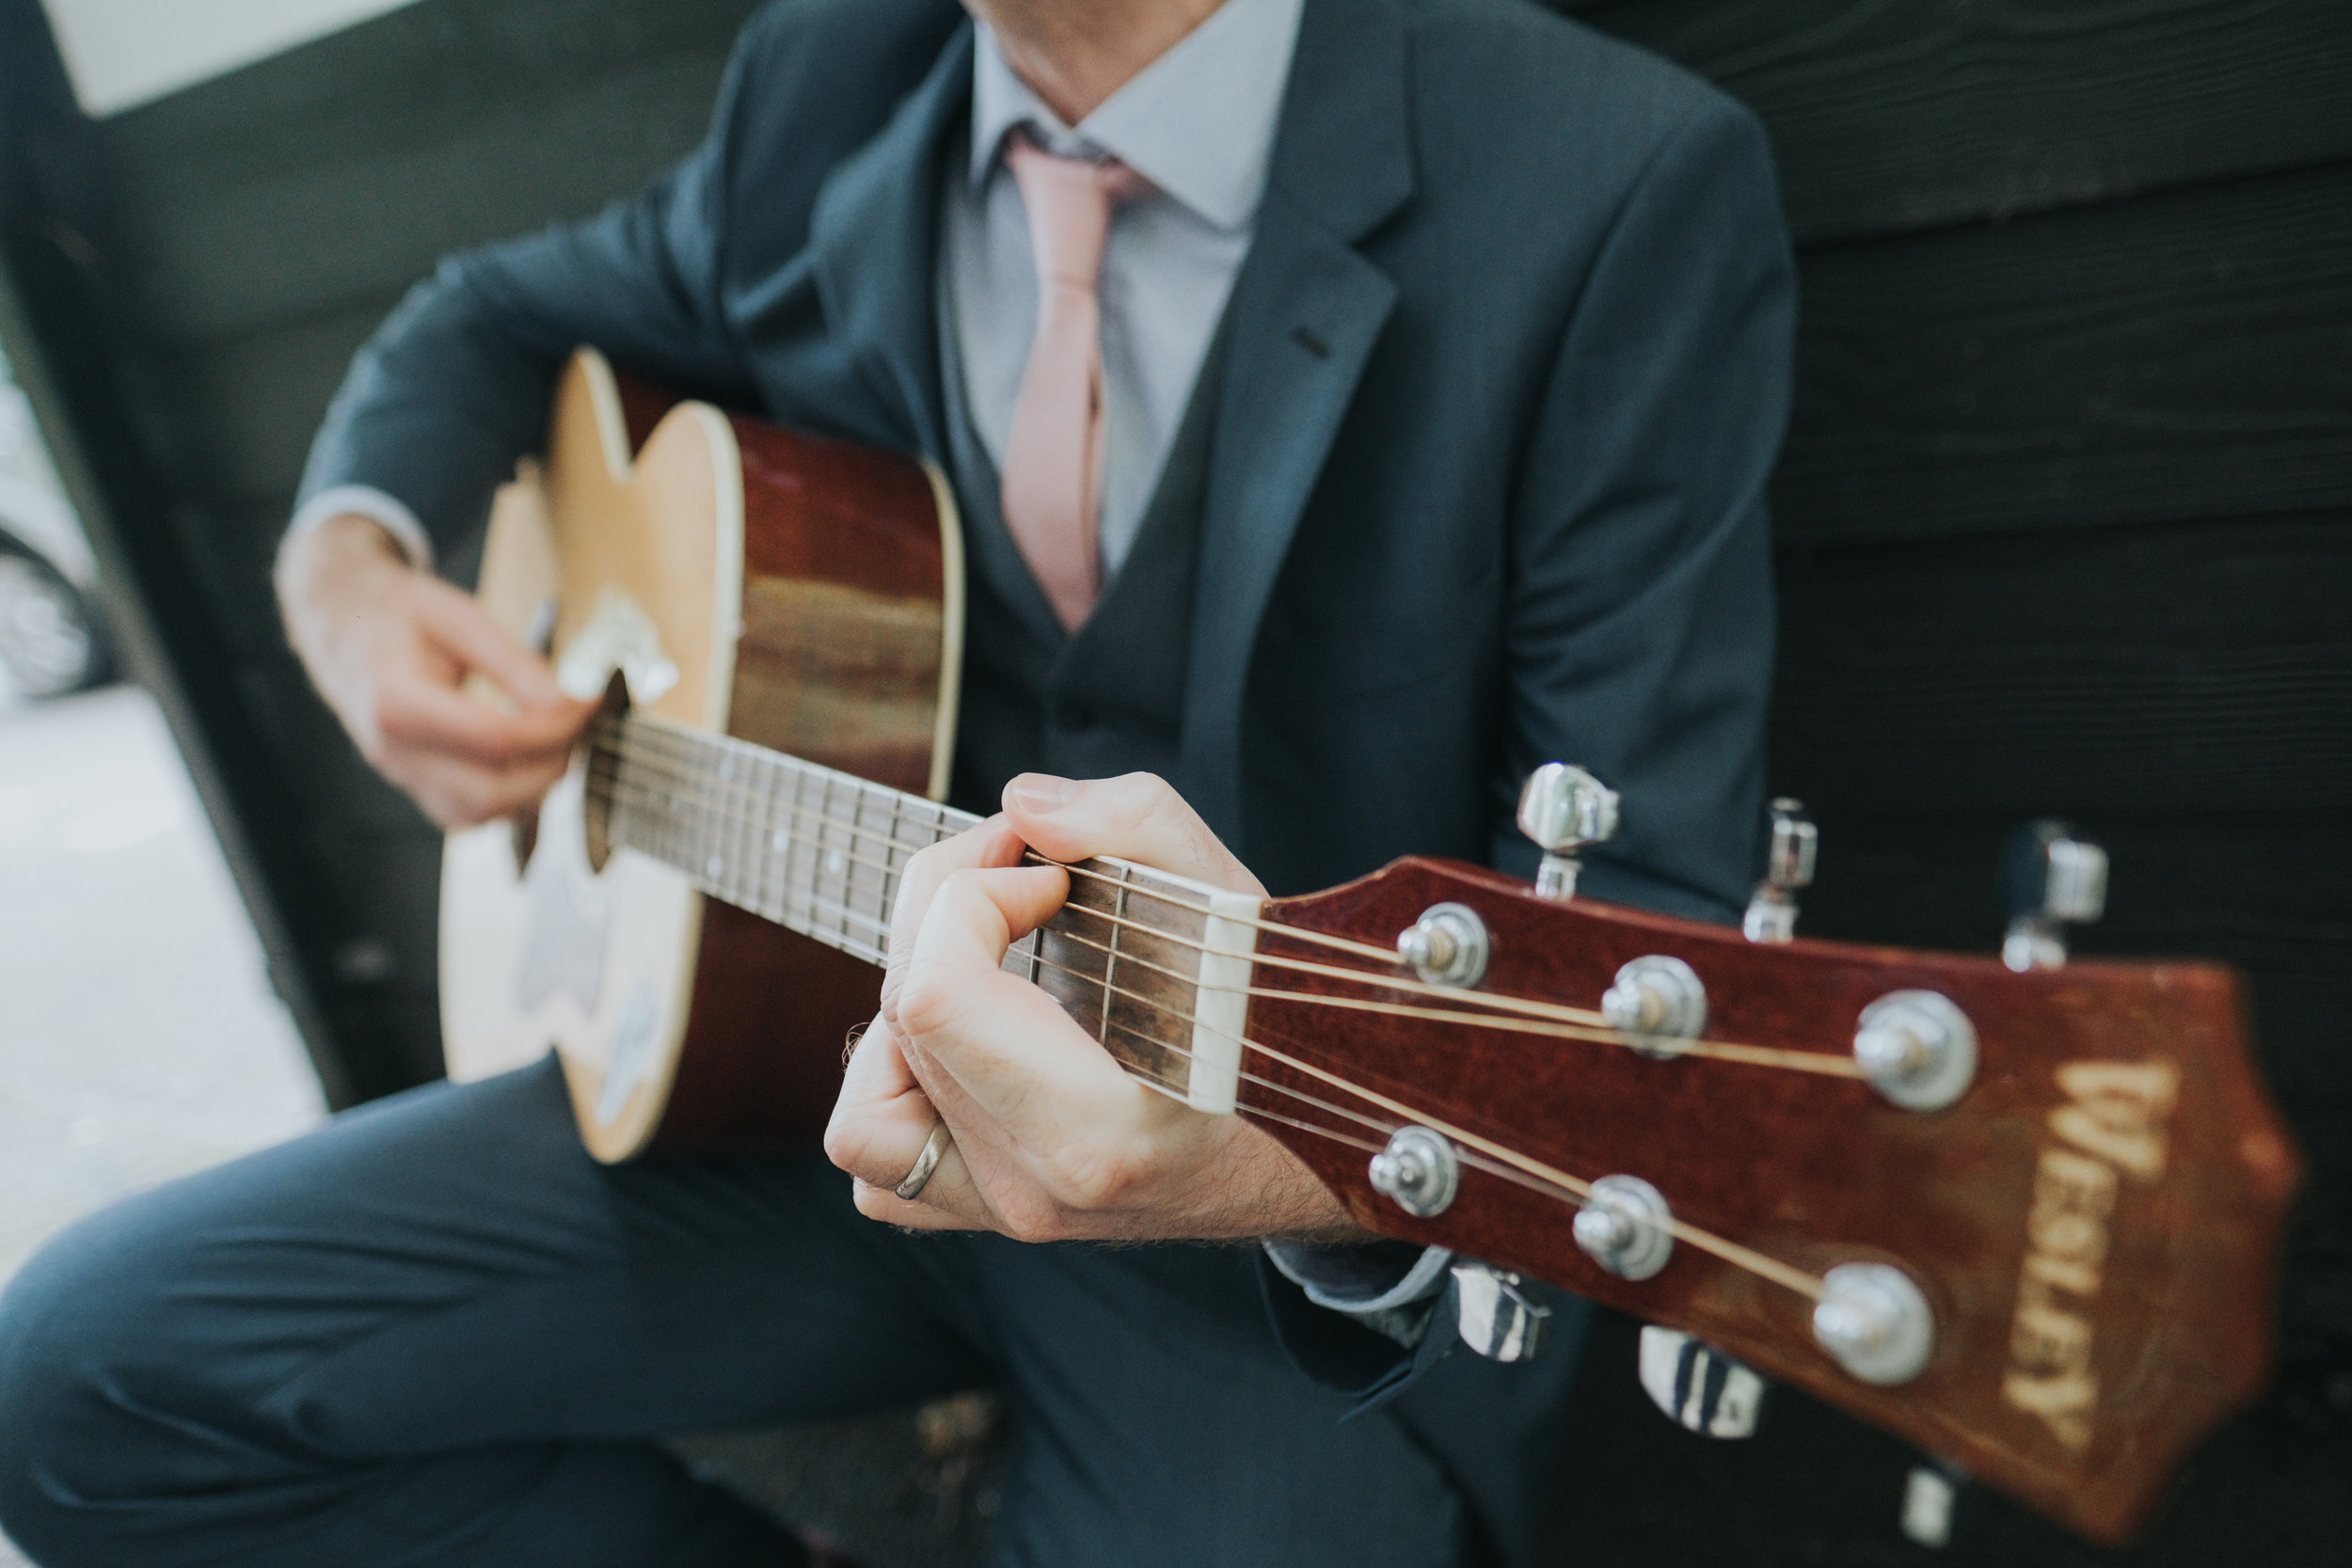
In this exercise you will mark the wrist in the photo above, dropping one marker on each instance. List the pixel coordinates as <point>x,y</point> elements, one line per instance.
<point>322,563</point>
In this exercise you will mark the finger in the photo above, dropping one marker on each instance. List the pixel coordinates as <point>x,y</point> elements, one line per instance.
<point>929,1211</point>
<point>881,1124</point>
<point>990,844</point>
<point>461,626</point>
<point>419,714</point>
<point>1136,817</point>
<point>458,794</point>
<point>1004,1043</point>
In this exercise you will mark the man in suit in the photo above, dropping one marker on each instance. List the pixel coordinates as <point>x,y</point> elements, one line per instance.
<point>1353,404</point>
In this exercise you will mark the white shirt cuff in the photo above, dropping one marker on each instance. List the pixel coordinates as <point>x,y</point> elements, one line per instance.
<point>1400,1311</point>
<point>384,511</point>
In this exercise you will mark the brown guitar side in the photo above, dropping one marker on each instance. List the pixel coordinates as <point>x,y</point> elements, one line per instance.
<point>809,596</point>
<point>850,657</point>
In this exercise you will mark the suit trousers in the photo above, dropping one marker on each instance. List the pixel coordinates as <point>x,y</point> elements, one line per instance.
<point>437,1332</point>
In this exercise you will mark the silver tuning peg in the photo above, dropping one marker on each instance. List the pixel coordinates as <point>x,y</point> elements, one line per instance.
<point>2054,880</point>
<point>1565,809</point>
<point>1788,865</point>
<point>1698,1386</point>
<point>1498,1318</point>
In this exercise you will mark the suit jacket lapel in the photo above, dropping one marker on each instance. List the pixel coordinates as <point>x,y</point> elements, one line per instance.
<point>1306,312</point>
<point>874,241</point>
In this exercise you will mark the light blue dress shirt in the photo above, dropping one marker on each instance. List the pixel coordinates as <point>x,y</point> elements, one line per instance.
<point>1172,255</point>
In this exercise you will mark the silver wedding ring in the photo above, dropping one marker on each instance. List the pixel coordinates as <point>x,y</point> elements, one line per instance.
<point>920,1172</point>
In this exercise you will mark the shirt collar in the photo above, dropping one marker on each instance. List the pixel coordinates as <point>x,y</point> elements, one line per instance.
<point>1229,73</point>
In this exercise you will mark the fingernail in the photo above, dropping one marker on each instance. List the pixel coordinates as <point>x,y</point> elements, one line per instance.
<point>1042,793</point>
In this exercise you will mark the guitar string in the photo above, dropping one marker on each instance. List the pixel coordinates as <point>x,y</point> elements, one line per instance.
<point>1582,1025</point>
<point>1466,1156</point>
<point>1731,1252</point>
<point>682,761</point>
<point>1521,1170</point>
<point>831,909</point>
<point>1750,1055</point>
<point>1514,1166</point>
<point>1386,956</point>
<point>1596,1025</point>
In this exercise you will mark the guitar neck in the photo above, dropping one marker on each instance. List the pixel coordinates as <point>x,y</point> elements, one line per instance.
<point>816,850</point>
<point>1156,967</point>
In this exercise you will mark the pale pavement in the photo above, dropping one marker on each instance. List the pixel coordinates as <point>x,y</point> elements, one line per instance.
<point>138,1035</point>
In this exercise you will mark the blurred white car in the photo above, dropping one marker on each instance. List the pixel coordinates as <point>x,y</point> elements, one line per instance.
<point>51,638</point>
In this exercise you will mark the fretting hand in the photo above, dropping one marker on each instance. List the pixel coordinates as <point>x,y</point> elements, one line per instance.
<point>1052,1139</point>
<point>389,647</point>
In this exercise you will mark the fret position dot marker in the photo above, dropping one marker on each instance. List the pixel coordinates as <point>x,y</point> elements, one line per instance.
<point>782,840</point>
<point>836,863</point>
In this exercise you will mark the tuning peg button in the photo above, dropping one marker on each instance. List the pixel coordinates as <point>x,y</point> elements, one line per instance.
<point>1874,1323</point>
<point>1625,1227</point>
<point>1564,809</point>
<point>1699,1387</point>
<point>1419,1171</point>
<point>1446,946</point>
<point>1497,1318</point>
<point>1658,1002</point>
<point>1788,866</point>
<point>1917,1049</point>
<point>2054,879</point>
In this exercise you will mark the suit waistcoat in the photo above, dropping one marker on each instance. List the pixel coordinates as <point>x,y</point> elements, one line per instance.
<point>1108,698</point>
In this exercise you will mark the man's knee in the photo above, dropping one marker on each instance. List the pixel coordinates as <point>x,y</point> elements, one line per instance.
<point>84,1427</point>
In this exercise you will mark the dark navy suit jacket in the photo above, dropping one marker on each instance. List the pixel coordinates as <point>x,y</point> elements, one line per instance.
<point>1508,369</point>
<point>1505,371</point>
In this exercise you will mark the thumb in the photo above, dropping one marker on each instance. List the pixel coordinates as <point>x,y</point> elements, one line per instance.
<point>467,633</point>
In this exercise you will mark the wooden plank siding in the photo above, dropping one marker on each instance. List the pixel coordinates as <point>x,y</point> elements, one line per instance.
<point>1889,116</point>
<point>2065,524</point>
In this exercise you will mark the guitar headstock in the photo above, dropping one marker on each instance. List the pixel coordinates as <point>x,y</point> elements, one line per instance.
<point>2029,1221</point>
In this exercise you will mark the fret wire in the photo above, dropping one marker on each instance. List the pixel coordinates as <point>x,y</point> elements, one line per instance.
<point>755,836</point>
<point>739,858</point>
<point>863,805</point>
<point>824,824</point>
<point>1110,958</point>
<point>721,856</point>
<point>804,847</point>
<point>777,868</point>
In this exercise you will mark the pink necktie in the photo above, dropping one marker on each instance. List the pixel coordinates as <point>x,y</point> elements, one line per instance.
<point>1054,457</point>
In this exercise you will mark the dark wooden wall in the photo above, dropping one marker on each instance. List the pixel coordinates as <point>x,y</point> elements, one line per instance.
<point>2063,518</point>
<point>197,272</point>
<point>2065,526</point>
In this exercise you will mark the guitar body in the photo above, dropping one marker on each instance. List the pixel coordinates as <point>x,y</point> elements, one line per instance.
<point>802,595</point>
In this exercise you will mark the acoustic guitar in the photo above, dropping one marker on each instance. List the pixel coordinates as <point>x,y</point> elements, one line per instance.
<point>2029,1221</point>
